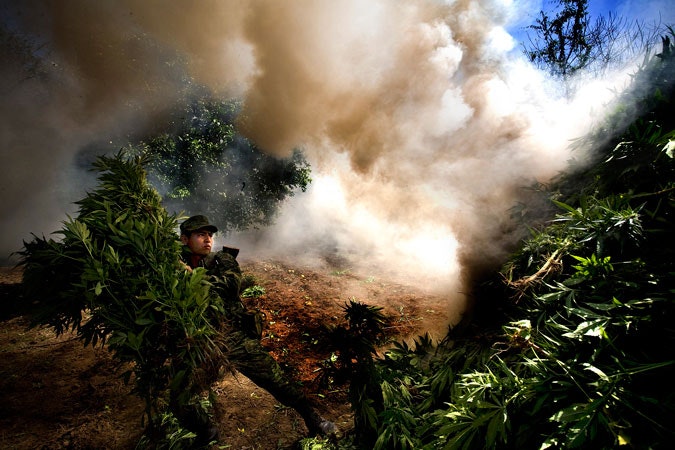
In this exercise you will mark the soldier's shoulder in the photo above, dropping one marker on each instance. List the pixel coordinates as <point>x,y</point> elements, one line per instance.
<point>225,259</point>
<point>233,252</point>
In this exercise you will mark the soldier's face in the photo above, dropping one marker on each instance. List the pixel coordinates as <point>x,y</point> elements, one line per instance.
<point>199,242</point>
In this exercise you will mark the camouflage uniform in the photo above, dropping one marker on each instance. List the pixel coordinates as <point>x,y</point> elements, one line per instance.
<point>244,350</point>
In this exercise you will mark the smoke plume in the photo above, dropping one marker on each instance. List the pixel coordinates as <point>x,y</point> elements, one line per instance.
<point>421,121</point>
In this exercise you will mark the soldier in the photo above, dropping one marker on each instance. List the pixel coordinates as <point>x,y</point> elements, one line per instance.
<point>244,351</point>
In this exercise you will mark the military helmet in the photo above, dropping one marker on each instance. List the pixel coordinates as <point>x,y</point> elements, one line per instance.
<point>195,223</point>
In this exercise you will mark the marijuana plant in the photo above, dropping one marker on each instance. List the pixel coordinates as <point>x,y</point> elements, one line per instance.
<point>114,278</point>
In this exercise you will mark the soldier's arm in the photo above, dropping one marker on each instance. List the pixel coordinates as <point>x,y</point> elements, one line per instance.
<point>226,276</point>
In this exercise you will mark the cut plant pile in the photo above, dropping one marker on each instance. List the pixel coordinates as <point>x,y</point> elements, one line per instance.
<point>57,394</point>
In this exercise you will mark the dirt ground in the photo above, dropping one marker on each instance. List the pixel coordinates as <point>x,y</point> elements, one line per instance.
<point>57,394</point>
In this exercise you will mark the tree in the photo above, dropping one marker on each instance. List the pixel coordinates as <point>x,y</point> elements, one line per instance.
<point>566,40</point>
<point>202,165</point>
<point>565,46</point>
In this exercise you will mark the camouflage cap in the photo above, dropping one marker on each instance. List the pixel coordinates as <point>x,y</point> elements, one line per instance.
<point>195,223</point>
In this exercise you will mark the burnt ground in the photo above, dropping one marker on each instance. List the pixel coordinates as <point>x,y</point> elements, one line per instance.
<point>57,394</point>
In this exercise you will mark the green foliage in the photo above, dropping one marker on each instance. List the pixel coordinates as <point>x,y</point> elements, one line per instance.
<point>170,435</point>
<point>564,40</point>
<point>114,277</point>
<point>593,267</point>
<point>253,292</point>
<point>322,443</point>
<point>353,363</point>
<point>566,44</point>
<point>204,166</point>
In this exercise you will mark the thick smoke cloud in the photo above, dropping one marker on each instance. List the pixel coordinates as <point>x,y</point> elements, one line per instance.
<point>421,123</point>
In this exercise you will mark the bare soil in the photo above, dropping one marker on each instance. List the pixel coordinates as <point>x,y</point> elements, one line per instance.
<point>57,394</point>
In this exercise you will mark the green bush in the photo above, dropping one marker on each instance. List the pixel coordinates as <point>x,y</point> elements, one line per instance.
<point>114,278</point>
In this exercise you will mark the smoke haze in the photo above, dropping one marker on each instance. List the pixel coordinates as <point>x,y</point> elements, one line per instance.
<point>421,121</point>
